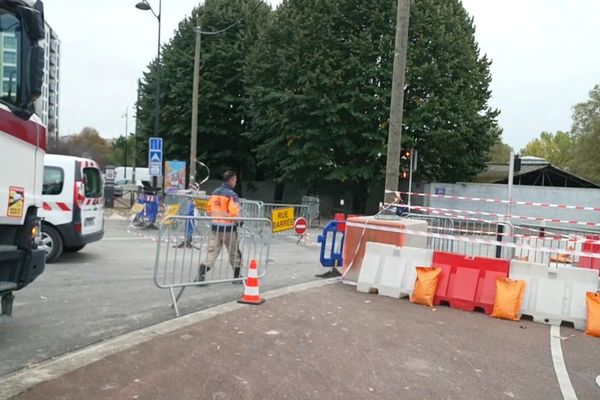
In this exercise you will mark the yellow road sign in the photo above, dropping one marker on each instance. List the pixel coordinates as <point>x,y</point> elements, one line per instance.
<point>283,219</point>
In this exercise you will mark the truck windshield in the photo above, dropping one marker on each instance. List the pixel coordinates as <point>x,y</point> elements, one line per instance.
<point>10,43</point>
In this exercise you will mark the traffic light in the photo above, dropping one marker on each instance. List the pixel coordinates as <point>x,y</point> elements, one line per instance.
<point>405,154</point>
<point>404,174</point>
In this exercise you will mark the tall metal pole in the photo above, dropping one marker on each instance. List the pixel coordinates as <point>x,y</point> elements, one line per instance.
<point>194,132</point>
<point>157,94</point>
<point>126,136</point>
<point>397,103</point>
<point>511,178</point>
<point>137,124</point>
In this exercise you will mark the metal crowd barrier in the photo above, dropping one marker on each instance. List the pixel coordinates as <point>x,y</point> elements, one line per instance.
<point>186,243</point>
<point>464,228</point>
<point>561,239</point>
<point>283,216</point>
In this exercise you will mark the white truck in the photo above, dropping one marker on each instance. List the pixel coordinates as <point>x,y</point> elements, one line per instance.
<point>22,146</point>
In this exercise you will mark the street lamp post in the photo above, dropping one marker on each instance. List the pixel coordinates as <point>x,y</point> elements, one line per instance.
<point>145,6</point>
<point>126,116</point>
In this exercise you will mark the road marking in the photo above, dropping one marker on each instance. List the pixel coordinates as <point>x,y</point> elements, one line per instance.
<point>126,238</point>
<point>559,365</point>
<point>598,380</point>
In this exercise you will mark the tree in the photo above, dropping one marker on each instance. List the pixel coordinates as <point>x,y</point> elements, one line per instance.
<point>556,148</point>
<point>88,143</point>
<point>586,137</point>
<point>119,146</point>
<point>222,114</point>
<point>319,92</point>
<point>500,152</point>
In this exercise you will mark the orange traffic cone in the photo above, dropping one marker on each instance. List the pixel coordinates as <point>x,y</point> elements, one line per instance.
<point>251,295</point>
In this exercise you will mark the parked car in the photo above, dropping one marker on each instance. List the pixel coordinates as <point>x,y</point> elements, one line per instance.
<point>73,204</point>
<point>124,185</point>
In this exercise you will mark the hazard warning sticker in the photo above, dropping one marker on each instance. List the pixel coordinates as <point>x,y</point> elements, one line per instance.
<point>16,201</point>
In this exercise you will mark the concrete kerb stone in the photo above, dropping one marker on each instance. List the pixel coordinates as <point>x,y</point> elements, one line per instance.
<point>18,382</point>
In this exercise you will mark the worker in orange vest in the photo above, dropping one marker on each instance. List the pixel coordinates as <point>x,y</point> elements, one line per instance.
<point>223,205</point>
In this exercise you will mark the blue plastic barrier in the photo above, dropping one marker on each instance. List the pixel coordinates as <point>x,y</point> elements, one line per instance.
<point>332,233</point>
<point>150,212</point>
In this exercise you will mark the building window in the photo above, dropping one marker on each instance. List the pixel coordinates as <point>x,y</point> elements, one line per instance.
<point>10,57</point>
<point>10,34</point>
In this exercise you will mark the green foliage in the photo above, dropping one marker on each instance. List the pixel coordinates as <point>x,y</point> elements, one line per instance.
<point>306,90</point>
<point>86,143</point>
<point>557,148</point>
<point>586,137</point>
<point>500,152</point>
<point>119,147</point>
<point>222,117</point>
<point>320,79</point>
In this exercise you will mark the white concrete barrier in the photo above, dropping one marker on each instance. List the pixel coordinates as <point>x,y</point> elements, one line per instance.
<point>554,295</point>
<point>391,270</point>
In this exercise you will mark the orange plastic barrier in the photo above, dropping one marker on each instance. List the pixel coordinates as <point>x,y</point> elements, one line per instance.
<point>386,231</point>
<point>468,283</point>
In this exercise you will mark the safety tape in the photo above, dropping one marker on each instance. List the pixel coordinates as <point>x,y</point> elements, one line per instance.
<point>499,201</point>
<point>473,240</point>
<point>456,212</point>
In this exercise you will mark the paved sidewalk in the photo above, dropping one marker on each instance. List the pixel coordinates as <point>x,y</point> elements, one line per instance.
<point>332,342</point>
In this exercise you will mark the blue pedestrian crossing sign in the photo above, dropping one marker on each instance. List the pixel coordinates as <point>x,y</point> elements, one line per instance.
<point>155,156</point>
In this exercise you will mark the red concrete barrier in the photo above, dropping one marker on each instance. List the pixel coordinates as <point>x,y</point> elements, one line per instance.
<point>468,283</point>
<point>590,246</point>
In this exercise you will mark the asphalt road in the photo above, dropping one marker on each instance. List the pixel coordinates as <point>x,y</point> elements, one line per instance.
<point>107,290</point>
<point>333,342</point>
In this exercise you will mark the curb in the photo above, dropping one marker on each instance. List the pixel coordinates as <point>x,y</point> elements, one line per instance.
<point>20,381</point>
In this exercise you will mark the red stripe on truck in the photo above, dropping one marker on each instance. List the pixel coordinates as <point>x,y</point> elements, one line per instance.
<point>63,206</point>
<point>26,131</point>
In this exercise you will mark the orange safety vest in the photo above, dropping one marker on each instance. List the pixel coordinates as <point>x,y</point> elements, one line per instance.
<point>223,202</point>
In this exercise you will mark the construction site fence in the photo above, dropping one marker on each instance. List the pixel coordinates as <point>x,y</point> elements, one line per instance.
<point>466,234</point>
<point>533,243</point>
<point>200,250</point>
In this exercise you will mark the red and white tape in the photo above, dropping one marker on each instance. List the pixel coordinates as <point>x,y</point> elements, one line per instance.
<point>457,212</point>
<point>475,240</point>
<point>499,201</point>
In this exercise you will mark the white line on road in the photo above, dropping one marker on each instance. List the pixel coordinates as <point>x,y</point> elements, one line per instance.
<point>126,238</point>
<point>598,380</point>
<point>559,365</point>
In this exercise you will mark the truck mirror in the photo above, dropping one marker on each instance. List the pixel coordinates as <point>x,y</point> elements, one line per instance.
<point>37,73</point>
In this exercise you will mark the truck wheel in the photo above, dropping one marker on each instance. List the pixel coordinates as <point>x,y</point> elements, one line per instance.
<point>73,249</point>
<point>52,243</point>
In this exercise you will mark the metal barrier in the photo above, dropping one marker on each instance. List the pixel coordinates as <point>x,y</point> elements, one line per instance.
<point>283,217</point>
<point>314,213</point>
<point>191,251</point>
<point>251,208</point>
<point>470,229</point>
<point>563,240</point>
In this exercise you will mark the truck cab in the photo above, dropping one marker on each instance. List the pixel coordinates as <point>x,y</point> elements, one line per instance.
<point>22,146</point>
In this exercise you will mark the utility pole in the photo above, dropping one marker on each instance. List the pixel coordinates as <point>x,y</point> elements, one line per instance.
<point>137,124</point>
<point>194,131</point>
<point>392,170</point>
<point>126,136</point>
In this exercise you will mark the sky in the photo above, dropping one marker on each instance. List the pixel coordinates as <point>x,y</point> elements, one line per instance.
<point>544,59</point>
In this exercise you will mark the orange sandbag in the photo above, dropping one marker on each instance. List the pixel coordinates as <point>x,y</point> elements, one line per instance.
<point>593,314</point>
<point>426,285</point>
<point>509,295</point>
